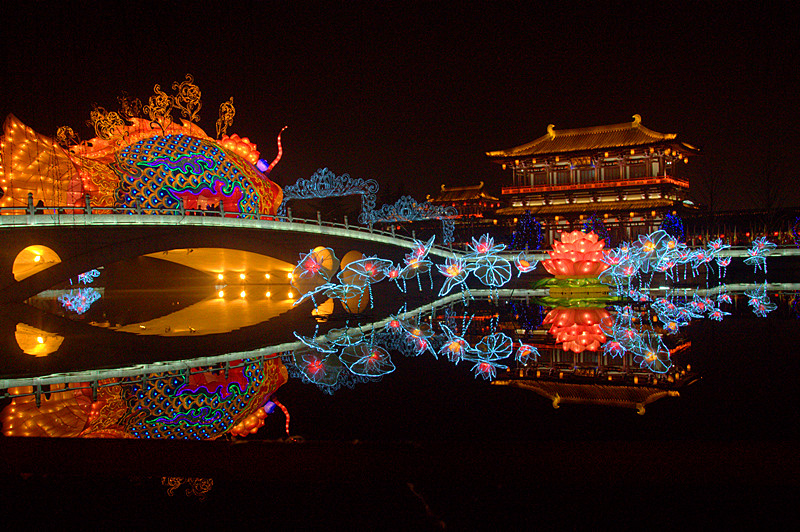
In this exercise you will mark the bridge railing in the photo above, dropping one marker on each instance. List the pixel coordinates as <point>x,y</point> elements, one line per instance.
<point>19,216</point>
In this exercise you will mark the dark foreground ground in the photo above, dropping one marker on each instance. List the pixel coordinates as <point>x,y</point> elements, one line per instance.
<point>586,485</point>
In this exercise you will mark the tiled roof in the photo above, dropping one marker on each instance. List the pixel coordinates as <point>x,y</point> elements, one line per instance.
<point>597,394</point>
<point>589,138</point>
<point>465,193</point>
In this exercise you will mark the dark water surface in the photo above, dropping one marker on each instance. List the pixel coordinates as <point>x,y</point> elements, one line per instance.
<point>425,446</point>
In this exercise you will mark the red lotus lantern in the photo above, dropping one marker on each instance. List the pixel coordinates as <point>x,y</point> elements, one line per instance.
<point>577,255</point>
<point>578,329</point>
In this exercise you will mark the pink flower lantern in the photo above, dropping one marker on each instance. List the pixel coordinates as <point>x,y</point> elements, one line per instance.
<point>577,255</point>
<point>578,329</point>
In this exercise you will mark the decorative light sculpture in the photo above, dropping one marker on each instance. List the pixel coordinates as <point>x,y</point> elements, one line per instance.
<point>486,265</point>
<point>525,263</point>
<point>367,360</point>
<point>138,164</point>
<point>578,329</point>
<point>88,277</point>
<point>325,184</point>
<point>758,253</point>
<point>576,255</point>
<point>455,347</point>
<point>652,353</point>
<point>526,353</point>
<point>79,300</point>
<point>407,209</point>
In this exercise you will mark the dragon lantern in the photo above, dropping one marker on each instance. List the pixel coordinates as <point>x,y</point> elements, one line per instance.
<point>202,404</point>
<point>148,163</point>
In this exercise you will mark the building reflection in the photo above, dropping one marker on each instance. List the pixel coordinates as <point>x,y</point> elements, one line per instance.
<point>578,364</point>
<point>595,378</point>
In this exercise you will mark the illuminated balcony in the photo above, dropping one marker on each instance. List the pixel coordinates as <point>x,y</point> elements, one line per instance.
<point>648,181</point>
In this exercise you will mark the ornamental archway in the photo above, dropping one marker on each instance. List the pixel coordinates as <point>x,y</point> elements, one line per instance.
<point>325,184</point>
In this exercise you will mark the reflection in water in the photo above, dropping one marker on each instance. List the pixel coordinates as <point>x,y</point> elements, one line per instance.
<point>63,414</point>
<point>613,349</point>
<point>163,297</point>
<point>578,329</point>
<point>36,342</point>
<point>759,301</point>
<point>214,315</point>
<point>200,404</point>
<point>78,300</point>
<point>88,277</point>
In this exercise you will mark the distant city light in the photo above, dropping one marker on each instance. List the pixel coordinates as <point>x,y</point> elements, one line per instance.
<point>220,276</point>
<point>221,293</point>
<point>242,294</point>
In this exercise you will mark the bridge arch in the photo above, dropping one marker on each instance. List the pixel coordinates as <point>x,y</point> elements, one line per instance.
<point>90,241</point>
<point>32,260</point>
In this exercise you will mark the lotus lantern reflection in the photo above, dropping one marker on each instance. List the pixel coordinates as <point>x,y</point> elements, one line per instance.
<point>578,329</point>
<point>577,255</point>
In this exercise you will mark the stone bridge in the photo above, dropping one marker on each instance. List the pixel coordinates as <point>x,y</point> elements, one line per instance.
<point>81,242</point>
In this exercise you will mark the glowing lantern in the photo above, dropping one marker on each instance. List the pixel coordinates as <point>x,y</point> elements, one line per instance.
<point>578,329</point>
<point>577,255</point>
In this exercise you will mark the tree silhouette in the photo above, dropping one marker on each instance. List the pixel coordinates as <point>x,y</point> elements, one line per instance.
<point>528,233</point>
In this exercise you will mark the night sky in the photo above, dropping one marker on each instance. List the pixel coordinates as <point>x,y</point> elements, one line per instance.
<point>413,97</point>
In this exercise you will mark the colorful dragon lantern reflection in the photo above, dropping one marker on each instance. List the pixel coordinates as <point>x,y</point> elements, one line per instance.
<point>202,405</point>
<point>578,329</point>
<point>576,255</point>
<point>148,163</point>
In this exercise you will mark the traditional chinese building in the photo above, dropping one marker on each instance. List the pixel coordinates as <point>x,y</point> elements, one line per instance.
<point>589,377</point>
<point>626,175</point>
<point>470,200</point>
<point>476,210</point>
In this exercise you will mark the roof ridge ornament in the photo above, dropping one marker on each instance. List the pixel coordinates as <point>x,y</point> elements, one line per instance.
<point>551,130</point>
<point>637,119</point>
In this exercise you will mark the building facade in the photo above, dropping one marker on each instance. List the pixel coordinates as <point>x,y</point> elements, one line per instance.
<point>625,176</point>
<point>476,212</point>
<point>469,200</point>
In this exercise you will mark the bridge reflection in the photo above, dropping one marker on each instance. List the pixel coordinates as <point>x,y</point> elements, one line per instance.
<point>137,354</point>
